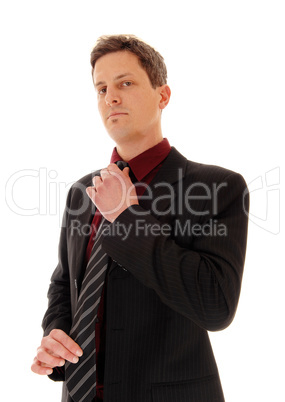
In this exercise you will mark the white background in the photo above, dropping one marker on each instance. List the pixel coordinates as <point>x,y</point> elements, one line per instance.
<point>226,70</point>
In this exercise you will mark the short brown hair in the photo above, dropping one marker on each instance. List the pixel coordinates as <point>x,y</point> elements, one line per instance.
<point>151,61</point>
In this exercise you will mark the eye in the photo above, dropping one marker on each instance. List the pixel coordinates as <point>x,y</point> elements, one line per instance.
<point>102,91</point>
<point>127,83</point>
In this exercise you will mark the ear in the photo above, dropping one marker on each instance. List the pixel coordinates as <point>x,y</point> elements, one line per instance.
<point>165,94</point>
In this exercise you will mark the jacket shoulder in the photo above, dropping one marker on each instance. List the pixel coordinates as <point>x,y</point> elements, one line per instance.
<point>86,180</point>
<point>83,182</point>
<point>195,171</point>
<point>77,192</point>
<point>210,173</point>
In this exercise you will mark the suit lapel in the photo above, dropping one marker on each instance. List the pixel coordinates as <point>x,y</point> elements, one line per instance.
<point>84,220</point>
<point>161,187</point>
<point>172,170</point>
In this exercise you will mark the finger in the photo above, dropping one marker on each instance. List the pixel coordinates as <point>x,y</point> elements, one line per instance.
<point>111,170</point>
<point>91,192</point>
<point>66,341</point>
<point>48,358</point>
<point>58,343</point>
<point>40,368</point>
<point>112,167</point>
<point>105,173</point>
<point>96,180</point>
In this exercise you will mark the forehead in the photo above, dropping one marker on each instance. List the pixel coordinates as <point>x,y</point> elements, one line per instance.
<point>115,64</point>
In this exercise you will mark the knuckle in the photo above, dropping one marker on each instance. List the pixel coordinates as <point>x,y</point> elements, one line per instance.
<point>35,369</point>
<point>103,172</point>
<point>96,183</point>
<point>40,354</point>
<point>55,333</point>
<point>44,341</point>
<point>54,361</point>
<point>34,366</point>
<point>56,348</point>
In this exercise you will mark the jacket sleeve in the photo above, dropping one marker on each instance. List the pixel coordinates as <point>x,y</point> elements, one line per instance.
<point>58,314</point>
<point>200,280</point>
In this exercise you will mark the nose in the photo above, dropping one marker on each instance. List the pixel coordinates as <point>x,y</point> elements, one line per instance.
<point>112,97</point>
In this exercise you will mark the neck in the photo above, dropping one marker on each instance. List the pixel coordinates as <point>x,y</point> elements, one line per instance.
<point>131,149</point>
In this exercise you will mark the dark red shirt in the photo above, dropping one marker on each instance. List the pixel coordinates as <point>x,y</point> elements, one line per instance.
<point>144,166</point>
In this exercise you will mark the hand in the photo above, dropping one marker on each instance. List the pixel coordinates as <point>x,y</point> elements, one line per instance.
<point>113,192</point>
<point>54,350</point>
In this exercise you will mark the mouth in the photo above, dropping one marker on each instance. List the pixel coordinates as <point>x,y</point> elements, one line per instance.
<point>116,114</point>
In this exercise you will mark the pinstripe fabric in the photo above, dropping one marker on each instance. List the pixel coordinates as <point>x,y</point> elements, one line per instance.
<point>81,378</point>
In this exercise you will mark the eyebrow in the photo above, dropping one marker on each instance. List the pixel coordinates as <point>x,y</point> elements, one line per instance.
<point>118,77</point>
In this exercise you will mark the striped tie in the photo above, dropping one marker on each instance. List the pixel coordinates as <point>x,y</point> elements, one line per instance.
<point>81,377</point>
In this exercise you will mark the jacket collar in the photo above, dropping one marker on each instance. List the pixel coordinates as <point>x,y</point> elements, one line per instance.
<point>171,172</point>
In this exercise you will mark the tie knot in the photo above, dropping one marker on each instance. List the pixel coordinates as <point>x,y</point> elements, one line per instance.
<point>121,164</point>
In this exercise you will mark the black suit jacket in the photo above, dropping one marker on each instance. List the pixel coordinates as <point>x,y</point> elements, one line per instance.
<point>175,276</point>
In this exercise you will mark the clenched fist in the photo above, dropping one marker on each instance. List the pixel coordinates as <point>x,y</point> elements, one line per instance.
<point>113,192</point>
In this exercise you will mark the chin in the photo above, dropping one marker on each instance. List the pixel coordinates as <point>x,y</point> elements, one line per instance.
<point>119,135</point>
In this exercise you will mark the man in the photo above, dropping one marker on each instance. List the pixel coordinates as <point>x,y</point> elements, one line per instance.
<point>167,259</point>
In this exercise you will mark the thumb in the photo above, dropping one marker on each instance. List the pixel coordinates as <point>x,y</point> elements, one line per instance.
<point>126,171</point>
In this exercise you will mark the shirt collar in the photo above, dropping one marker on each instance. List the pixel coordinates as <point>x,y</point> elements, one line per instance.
<point>144,163</point>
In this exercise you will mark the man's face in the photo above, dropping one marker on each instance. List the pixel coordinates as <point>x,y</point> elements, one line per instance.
<point>129,106</point>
